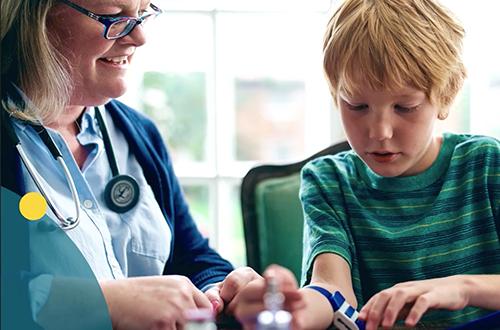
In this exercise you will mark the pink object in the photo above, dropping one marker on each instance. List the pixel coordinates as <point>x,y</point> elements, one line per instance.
<point>215,306</point>
<point>199,314</point>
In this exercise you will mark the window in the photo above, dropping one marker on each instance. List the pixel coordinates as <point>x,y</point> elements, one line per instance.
<point>234,83</point>
<point>477,108</point>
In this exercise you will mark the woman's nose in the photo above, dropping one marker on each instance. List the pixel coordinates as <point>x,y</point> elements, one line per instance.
<point>137,36</point>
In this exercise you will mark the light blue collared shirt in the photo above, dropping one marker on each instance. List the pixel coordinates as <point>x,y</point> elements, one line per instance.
<point>115,245</point>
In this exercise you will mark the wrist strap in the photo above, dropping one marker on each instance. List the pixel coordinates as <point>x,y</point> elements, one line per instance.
<point>345,316</point>
<point>209,286</point>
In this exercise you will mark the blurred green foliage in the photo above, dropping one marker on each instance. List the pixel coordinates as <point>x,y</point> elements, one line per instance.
<point>178,104</point>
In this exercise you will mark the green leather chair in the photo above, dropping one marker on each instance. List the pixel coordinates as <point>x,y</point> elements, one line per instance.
<point>272,213</point>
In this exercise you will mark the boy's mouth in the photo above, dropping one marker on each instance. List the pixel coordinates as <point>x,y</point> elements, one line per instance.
<point>384,156</point>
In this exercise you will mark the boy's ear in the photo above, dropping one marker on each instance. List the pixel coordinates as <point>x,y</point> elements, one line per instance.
<point>443,114</point>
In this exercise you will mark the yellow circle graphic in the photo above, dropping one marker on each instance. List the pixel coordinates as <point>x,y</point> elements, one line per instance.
<point>33,206</point>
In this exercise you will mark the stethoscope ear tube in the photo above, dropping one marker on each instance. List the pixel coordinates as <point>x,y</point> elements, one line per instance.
<point>47,140</point>
<point>65,223</point>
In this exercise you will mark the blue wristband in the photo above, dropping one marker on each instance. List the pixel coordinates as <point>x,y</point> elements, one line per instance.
<point>209,286</point>
<point>345,316</point>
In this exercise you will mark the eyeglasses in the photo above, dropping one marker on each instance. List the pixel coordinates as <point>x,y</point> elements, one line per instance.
<point>116,27</point>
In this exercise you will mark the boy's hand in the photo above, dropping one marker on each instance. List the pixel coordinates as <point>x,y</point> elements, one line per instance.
<point>410,300</point>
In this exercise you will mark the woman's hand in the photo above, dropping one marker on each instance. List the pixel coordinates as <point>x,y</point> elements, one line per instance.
<point>224,292</point>
<point>249,302</point>
<point>410,300</point>
<point>153,302</point>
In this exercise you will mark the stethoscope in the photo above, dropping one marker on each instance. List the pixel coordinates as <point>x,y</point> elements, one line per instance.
<point>121,193</point>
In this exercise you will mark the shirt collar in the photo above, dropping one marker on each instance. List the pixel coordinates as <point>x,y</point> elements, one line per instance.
<point>90,131</point>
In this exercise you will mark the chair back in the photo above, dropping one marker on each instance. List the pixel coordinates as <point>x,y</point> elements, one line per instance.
<point>272,213</point>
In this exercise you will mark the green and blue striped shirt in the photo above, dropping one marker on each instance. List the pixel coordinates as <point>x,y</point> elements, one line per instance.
<point>441,222</point>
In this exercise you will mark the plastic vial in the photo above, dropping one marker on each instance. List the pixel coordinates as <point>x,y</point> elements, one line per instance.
<point>200,319</point>
<point>274,317</point>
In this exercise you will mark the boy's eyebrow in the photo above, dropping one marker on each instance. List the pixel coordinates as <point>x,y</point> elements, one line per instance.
<point>410,96</point>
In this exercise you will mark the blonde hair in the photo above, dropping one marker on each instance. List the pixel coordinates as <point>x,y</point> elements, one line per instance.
<point>389,44</point>
<point>35,80</point>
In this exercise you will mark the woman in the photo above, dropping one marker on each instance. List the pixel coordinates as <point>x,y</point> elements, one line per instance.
<point>64,61</point>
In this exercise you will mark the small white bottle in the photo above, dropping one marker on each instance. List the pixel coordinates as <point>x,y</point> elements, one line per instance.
<point>200,319</point>
<point>274,317</point>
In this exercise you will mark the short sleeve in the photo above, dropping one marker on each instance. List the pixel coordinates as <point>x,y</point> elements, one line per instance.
<point>325,228</point>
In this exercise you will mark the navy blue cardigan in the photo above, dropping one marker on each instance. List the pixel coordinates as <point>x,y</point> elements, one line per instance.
<point>190,254</point>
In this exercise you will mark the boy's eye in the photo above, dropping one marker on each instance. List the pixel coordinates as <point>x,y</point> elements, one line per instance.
<point>356,107</point>
<point>404,109</point>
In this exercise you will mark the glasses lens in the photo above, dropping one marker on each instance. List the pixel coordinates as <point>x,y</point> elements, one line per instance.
<point>147,17</point>
<point>120,28</point>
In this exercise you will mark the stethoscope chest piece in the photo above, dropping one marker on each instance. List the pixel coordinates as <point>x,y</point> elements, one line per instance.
<point>121,193</point>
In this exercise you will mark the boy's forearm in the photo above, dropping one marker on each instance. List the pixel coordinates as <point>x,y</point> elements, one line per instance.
<point>483,290</point>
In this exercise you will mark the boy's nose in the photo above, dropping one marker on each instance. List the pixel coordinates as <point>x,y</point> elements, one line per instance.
<point>380,129</point>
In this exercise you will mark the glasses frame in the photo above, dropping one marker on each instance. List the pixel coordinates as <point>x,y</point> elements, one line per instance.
<point>109,21</point>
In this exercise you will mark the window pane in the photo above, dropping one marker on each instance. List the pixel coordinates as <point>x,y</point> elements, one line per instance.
<point>458,120</point>
<point>494,98</point>
<point>271,88</point>
<point>245,5</point>
<point>170,82</point>
<point>269,119</point>
<point>177,102</point>
<point>231,243</point>
<point>275,5</point>
<point>481,93</point>
<point>197,197</point>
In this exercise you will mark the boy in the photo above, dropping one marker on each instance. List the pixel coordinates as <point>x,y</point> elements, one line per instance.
<point>407,221</point>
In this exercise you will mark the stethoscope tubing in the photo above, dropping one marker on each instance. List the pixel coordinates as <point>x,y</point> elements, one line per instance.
<point>66,223</point>
<point>110,153</point>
